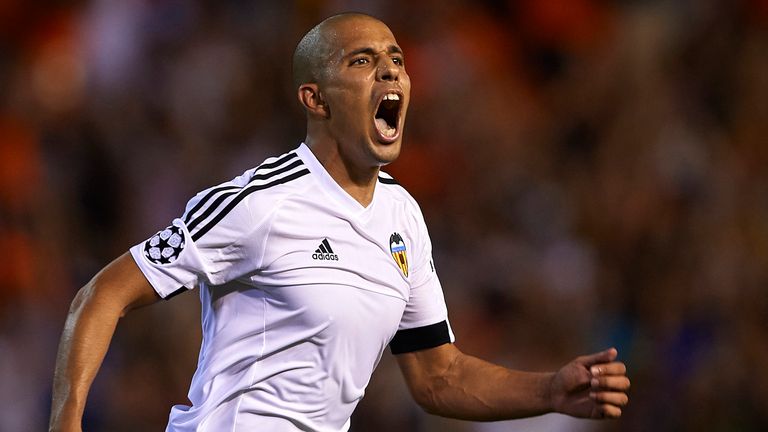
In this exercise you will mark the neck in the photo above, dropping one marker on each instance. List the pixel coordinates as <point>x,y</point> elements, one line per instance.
<point>358,182</point>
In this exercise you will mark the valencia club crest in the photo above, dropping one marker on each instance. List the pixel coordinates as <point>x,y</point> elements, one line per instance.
<point>397,247</point>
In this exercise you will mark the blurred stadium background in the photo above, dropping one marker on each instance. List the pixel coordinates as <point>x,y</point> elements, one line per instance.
<point>593,173</point>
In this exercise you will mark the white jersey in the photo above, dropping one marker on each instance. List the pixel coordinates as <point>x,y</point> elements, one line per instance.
<point>302,288</point>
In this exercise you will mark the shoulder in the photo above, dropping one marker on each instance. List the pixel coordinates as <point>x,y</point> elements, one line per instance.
<point>252,194</point>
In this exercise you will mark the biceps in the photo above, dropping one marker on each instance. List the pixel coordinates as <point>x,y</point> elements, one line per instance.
<point>122,285</point>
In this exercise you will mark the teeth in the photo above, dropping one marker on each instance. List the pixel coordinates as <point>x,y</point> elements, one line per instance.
<point>392,96</point>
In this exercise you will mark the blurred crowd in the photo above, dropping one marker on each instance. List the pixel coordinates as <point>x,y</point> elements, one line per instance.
<point>594,173</point>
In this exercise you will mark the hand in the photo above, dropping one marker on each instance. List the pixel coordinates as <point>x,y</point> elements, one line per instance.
<point>592,386</point>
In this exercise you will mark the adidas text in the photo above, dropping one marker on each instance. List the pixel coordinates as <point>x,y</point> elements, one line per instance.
<point>325,257</point>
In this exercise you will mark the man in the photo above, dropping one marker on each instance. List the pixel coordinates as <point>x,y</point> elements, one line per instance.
<point>308,266</point>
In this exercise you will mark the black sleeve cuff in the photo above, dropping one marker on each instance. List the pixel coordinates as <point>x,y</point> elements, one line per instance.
<point>175,293</point>
<point>420,338</point>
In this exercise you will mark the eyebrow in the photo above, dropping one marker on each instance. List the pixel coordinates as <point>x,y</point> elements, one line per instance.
<point>392,49</point>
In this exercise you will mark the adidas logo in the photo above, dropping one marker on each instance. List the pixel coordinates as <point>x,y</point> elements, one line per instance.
<point>324,252</point>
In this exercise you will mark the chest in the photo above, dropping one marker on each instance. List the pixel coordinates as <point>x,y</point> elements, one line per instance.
<point>311,243</point>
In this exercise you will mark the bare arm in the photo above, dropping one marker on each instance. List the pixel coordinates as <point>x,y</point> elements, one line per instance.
<point>446,382</point>
<point>93,315</point>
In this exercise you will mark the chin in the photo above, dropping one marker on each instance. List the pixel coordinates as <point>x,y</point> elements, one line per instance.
<point>386,153</point>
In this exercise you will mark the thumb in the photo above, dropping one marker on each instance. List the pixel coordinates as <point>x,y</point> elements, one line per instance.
<point>606,356</point>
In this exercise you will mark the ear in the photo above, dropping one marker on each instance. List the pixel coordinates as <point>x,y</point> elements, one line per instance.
<point>312,100</point>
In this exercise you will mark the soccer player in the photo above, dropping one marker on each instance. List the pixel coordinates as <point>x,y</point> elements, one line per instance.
<point>308,266</point>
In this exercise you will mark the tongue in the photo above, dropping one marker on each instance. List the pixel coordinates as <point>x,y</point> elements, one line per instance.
<point>384,128</point>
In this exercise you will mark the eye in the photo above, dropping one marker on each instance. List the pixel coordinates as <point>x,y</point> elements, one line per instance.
<point>359,61</point>
<point>398,61</point>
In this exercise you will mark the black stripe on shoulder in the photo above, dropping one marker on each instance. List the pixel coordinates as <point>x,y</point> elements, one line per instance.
<point>244,193</point>
<point>388,181</point>
<point>205,199</point>
<point>215,205</point>
<point>283,159</point>
<point>265,176</point>
<point>211,208</point>
<point>420,338</point>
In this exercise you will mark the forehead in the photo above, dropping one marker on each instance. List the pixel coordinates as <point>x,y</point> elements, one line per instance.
<point>357,33</point>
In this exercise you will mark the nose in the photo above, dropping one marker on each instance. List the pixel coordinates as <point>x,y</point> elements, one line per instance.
<point>387,70</point>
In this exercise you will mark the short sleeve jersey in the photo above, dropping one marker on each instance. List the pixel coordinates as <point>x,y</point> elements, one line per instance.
<point>302,288</point>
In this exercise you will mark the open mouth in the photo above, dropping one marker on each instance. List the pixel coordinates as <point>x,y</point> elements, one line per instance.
<point>387,115</point>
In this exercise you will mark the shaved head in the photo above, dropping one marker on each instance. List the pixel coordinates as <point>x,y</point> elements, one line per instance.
<point>310,59</point>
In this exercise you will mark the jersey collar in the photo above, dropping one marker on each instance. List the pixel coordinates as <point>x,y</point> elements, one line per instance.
<point>329,185</point>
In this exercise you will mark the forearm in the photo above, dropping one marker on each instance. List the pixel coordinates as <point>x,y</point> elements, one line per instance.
<point>473,389</point>
<point>84,342</point>
<point>446,382</point>
<point>88,330</point>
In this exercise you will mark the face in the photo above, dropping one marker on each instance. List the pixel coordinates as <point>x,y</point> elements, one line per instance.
<point>366,89</point>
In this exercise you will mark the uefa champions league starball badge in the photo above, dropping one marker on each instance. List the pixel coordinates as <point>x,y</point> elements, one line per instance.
<point>397,248</point>
<point>165,246</point>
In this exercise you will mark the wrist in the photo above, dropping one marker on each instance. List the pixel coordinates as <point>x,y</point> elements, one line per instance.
<point>547,396</point>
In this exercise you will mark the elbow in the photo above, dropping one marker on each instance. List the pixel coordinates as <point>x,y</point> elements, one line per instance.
<point>425,403</point>
<point>421,398</point>
<point>94,298</point>
<point>427,398</point>
<point>434,382</point>
<point>84,296</point>
<point>430,409</point>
